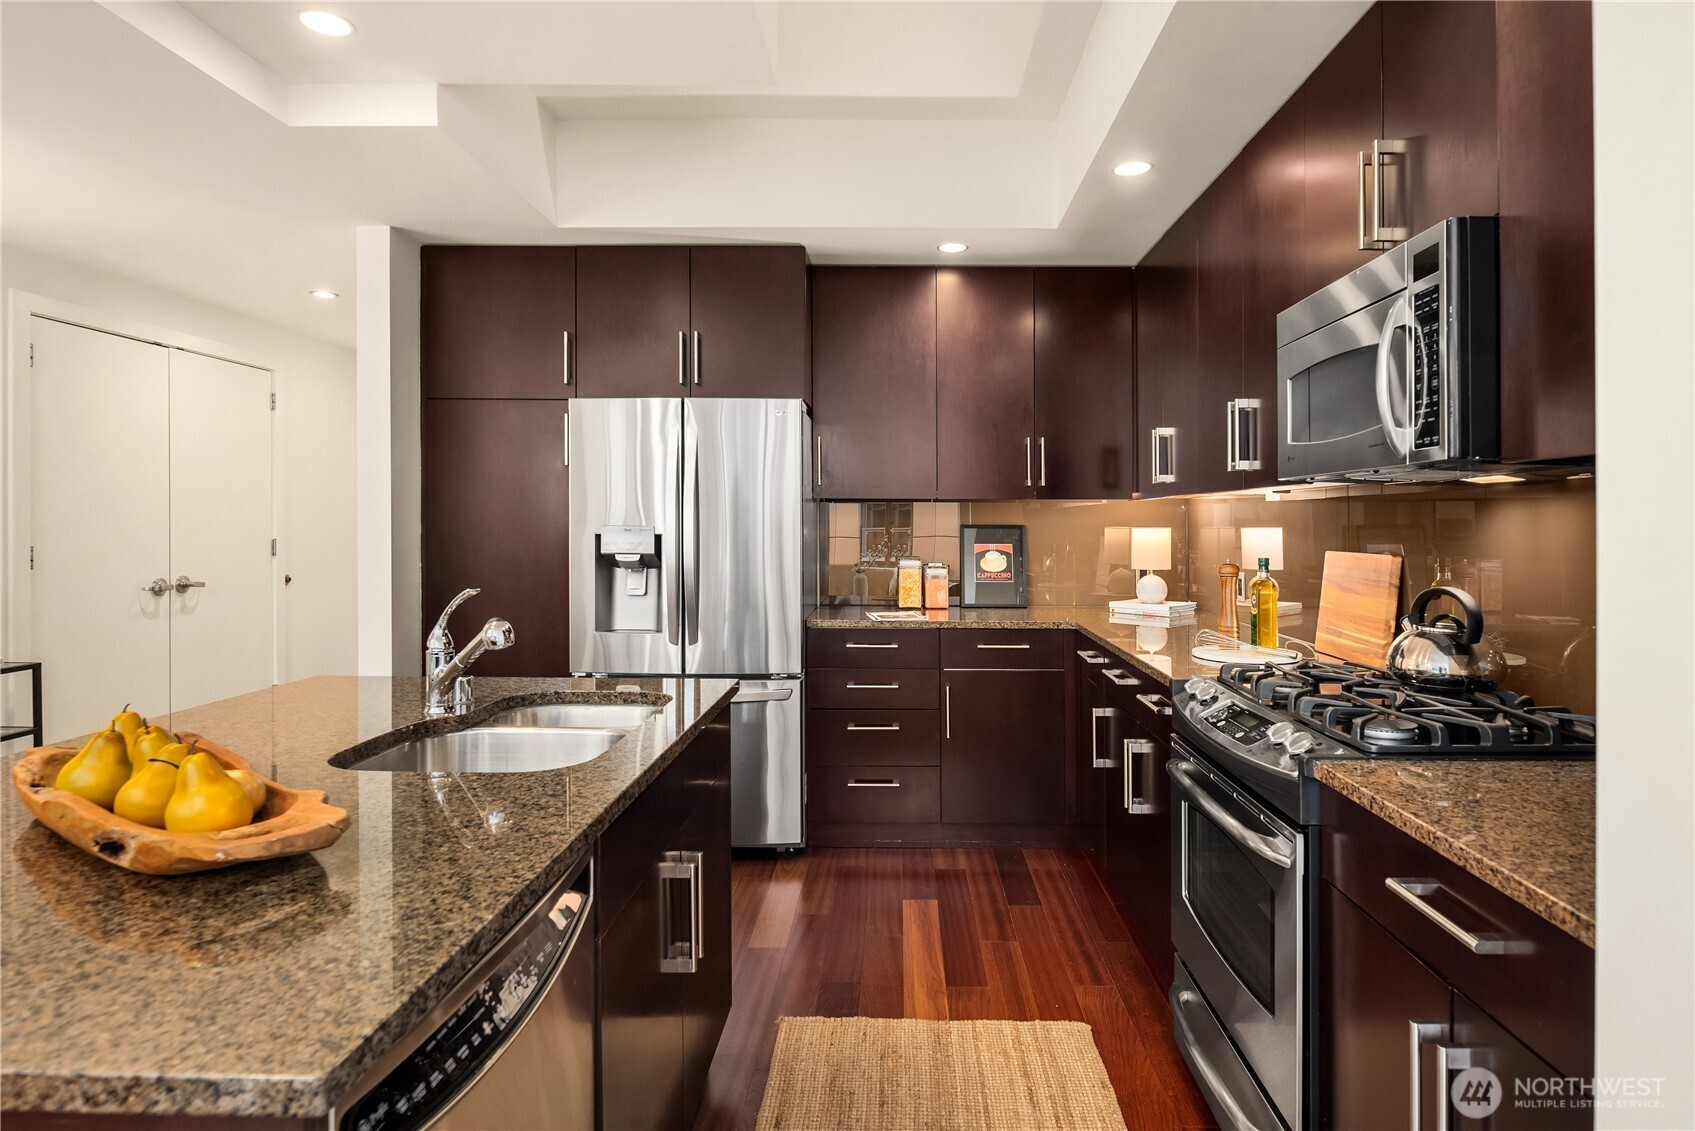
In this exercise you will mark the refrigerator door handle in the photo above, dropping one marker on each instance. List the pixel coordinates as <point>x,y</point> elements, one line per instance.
<point>776,695</point>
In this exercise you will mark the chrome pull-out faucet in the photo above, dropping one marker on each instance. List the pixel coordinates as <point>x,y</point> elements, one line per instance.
<point>444,670</point>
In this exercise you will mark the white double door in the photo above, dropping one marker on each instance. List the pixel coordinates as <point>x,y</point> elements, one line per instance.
<point>151,577</point>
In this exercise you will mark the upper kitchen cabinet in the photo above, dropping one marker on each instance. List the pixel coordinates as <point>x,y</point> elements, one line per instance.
<point>1167,399</point>
<point>1439,104</point>
<point>1340,108</point>
<point>1273,166</point>
<point>985,383</point>
<point>1225,430</point>
<point>874,370</point>
<point>498,321</point>
<point>747,317</point>
<point>1085,390</point>
<point>632,321</point>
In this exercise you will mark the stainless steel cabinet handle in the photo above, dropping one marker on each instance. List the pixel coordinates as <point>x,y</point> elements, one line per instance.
<point>858,644</point>
<point>820,469</point>
<point>565,355</point>
<point>768,695</point>
<point>1414,890</point>
<point>1122,677</point>
<point>1096,715</point>
<point>565,444</point>
<point>1213,1082</point>
<point>1275,849</point>
<point>1135,751</point>
<point>1092,657</point>
<point>158,587</point>
<point>1164,442</point>
<point>682,957</point>
<point>1419,1033</point>
<point>1229,435</point>
<point>873,783</point>
<point>1448,1058</point>
<point>1245,435</point>
<point>694,360</point>
<point>947,710</point>
<point>1158,704</point>
<point>873,726</point>
<point>682,357</point>
<point>1044,464</point>
<point>874,686</point>
<point>1027,479</point>
<point>1005,647</point>
<point>1365,238</point>
<point>183,584</point>
<point>1385,235</point>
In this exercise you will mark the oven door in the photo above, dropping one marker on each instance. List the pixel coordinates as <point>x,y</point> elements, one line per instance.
<point>1236,920</point>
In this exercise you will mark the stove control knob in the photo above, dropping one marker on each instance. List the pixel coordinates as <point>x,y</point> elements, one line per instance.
<point>1299,742</point>
<point>1201,690</point>
<point>1280,733</point>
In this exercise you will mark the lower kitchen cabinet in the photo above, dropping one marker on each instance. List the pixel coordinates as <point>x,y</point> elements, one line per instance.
<point>1003,756</point>
<point>1138,843</point>
<point>664,941</point>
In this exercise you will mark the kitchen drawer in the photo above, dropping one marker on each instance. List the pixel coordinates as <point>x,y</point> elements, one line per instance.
<point>855,795</point>
<point>885,688</point>
<point>871,648</point>
<point>1144,699</point>
<point>1004,648</point>
<point>1542,987</point>
<point>873,738</point>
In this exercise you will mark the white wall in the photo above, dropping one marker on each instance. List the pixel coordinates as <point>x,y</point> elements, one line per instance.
<point>315,426</point>
<point>1645,385</point>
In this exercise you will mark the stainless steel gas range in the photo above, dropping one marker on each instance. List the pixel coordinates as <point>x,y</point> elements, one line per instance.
<point>1244,861</point>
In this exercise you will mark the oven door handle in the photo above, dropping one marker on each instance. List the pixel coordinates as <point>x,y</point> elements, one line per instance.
<point>1185,999</point>
<point>1400,318</point>
<point>1278,850</point>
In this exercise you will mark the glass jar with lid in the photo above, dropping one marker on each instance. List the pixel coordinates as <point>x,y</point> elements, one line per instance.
<point>909,583</point>
<point>935,585</point>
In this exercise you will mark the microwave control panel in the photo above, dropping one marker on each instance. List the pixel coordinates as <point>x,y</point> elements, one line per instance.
<point>1427,368</point>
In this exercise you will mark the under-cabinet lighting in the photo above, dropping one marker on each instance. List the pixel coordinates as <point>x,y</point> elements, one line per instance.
<point>324,294</point>
<point>1131,168</point>
<point>952,248</point>
<point>326,23</point>
<point>1486,480</point>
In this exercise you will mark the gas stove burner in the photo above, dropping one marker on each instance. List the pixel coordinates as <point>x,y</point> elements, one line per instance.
<point>1388,728</point>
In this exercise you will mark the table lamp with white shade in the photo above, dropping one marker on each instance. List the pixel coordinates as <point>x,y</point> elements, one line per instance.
<point>1150,549</point>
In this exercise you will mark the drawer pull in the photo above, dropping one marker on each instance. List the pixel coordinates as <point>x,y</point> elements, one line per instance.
<point>873,687</point>
<point>1414,891</point>
<point>1158,704</point>
<point>1122,677</point>
<point>1093,657</point>
<point>858,644</point>
<point>873,726</point>
<point>1025,647</point>
<point>873,783</point>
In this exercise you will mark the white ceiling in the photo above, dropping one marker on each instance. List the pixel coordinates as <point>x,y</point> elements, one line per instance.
<point>222,151</point>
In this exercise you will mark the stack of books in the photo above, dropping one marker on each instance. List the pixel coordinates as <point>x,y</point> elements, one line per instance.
<point>1151,612</point>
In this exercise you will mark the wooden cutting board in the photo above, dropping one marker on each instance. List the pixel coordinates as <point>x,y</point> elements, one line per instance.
<point>1356,606</point>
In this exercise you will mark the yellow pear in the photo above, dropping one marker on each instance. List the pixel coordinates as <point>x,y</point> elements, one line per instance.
<point>143,798</point>
<point>126,722</point>
<point>174,753</point>
<point>252,785</point>
<point>206,799</point>
<point>99,771</point>
<point>149,740</point>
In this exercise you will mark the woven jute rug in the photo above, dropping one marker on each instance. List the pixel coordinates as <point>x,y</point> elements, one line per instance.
<point>875,1074</point>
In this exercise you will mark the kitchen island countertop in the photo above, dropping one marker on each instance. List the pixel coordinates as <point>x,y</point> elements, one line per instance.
<point>267,989</point>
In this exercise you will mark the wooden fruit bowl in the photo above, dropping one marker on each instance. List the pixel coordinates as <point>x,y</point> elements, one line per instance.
<point>291,821</point>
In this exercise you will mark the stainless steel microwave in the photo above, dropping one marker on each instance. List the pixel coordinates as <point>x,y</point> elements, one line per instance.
<point>1391,373</point>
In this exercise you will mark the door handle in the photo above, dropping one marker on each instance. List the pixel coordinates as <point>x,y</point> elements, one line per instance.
<point>862,644</point>
<point>183,584</point>
<point>1274,849</point>
<point>682,357</point>
<point>873,783</point>
<point>1420,1033</point>
<point>1158,704</point>
<point>1096,715</point>
<point>873,726</point>
<point>694,358</point>
<point>1230,456</point>
<point>565,355</point>
<point>873,687</point>
<point>1042,446</point>
<point>1165,455</point>
<point>1448,1058</point>
<point>1400,436</point>
<point>1122,678</point>
<point>1381,148</point>
<point>681,957</point>
<point>1134,751</point>
<point>1090,656</point>
<point>820,468</point>
<point>1414,891</point>
<point>158,587</point>
<point>773,695</point>
<point>1028,482</point>
<point>947,710</point>
<point>1005,647</point>
<point>1365,240</point>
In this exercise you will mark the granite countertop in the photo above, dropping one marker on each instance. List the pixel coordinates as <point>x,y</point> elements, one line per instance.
<point>1159,651</point>
<point>1525,828</point>
<point>267,989</point>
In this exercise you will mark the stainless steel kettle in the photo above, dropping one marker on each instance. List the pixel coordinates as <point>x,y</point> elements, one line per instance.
<point>1444,649</point>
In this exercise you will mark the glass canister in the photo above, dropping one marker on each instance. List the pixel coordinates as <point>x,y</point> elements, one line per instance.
<point>935,585</point>
<point>909,583</point>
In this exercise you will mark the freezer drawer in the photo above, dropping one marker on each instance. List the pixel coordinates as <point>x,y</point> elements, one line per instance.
<point>767,767</point>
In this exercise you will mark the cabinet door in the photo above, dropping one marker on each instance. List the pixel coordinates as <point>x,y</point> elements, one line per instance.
<point>494,501</point>
<point>1490,1046</point>
<point>494,320</point>
<point>1093,745</point>
<point>1167,322</point>
<point>1085,387</point>
<point>706,992</point>
<point>1272,170</point>
<point>747,306</point>
<point>874,382</point>
<point>1140,861</point>
<point>1003,748</point>
<point>1341,110</point>
<point>1220,252</point>
<point>641,1037</point>
<point>1371,992</point>
<point>632,321</point>
<point>1439,97</point>
<point>985,383</point>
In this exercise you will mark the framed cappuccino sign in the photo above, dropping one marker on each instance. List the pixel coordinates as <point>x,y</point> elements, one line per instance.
<point>991,560</point>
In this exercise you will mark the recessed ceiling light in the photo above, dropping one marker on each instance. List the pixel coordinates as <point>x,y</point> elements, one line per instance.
<point>326,23</point>
<point>1131,168</point>
<point>952,248</point>
<point>1488,479</point>
<point>325,294</point>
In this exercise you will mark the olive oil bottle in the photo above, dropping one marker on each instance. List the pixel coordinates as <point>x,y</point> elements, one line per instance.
<point>1262,607</point>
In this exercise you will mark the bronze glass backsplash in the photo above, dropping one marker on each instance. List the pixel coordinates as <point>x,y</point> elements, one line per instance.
<point>1526,551</point>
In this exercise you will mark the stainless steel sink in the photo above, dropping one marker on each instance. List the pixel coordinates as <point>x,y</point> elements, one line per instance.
<point>614,716</point>
<point>496,750</point>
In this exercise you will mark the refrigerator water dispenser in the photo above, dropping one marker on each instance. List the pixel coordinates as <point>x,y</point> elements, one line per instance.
<point>627,590</point>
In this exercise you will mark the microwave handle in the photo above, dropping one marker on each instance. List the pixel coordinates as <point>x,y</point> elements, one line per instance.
<point>1400,318</point>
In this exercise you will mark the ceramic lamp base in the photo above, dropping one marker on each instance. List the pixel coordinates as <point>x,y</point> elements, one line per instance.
<point>1151,589</point>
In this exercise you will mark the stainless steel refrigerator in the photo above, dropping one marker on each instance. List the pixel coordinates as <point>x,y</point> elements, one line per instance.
<point>693,554</point>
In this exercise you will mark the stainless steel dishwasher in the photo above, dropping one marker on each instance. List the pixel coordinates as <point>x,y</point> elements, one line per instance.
<point>511,1047</point>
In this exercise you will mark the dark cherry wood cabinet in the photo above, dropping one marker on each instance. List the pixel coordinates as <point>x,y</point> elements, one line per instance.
<point>632,321</point>
<point>495,321</point>
<point>1489,1045</point>
<point>1221,256</point>
<point>1340,107</point>
<point>1439,99</point>
<point>1003,759</point>
<point>1167,362</point>
<point>1273,171</point>
<point>874,373</point>
<point>706,992</point>
<point>1085,320</point>
<point>493,470</point>
<point>985,383</point>
<point>748,322</point>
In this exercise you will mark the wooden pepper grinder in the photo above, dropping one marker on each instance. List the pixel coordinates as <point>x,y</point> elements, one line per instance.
<point>1227,574</point>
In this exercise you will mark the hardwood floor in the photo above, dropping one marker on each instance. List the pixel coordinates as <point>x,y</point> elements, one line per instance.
<point>962,934</point>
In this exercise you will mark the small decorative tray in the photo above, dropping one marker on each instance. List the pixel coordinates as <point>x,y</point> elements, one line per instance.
<point>291,821</point>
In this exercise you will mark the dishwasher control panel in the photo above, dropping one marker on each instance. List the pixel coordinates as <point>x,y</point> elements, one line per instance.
<point>451,1058</point>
